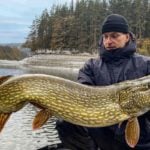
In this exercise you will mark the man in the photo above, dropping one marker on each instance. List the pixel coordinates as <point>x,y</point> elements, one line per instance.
<point>117,62</point>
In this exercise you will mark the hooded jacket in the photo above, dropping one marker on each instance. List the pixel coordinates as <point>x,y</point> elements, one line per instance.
<point>111,67</point>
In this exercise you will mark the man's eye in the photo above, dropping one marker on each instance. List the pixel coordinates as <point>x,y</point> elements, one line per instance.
<point>114,36</point>
<point>105,37</point>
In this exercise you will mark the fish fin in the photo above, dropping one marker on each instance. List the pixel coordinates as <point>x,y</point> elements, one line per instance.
<point>4,78</point>
<point>3,119</point>
<point>132,132</point>
<point>41,118</point>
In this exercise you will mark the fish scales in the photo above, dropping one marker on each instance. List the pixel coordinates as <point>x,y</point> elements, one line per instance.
<point>76,103</point>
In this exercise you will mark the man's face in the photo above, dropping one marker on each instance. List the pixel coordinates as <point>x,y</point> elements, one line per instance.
<point>113,40</point>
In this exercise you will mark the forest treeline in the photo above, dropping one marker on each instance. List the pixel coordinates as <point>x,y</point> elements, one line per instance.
<point>77,26</point>
<point>11,53</point>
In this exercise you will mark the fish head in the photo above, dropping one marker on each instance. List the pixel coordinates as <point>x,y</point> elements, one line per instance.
<point>135,98</point>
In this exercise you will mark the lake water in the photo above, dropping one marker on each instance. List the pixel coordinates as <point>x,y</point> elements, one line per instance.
<point>18,134</point>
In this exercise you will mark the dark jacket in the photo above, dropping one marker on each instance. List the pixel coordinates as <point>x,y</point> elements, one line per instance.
<point>111,67</point>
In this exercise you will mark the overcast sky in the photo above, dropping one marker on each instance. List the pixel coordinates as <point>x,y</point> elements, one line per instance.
<point>16,17</point>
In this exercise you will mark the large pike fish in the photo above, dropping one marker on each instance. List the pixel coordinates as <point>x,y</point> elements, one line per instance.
<point>76,103</point>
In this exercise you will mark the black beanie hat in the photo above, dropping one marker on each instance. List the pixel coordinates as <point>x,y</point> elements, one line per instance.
<point>115,23</point>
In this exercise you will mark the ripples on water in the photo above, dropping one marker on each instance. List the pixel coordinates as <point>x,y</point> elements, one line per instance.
<point>18,133</point>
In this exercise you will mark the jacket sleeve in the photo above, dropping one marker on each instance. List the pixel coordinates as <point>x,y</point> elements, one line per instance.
<point>86,75</point>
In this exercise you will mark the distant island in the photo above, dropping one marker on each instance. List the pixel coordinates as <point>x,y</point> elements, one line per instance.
<point>13,51</point>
